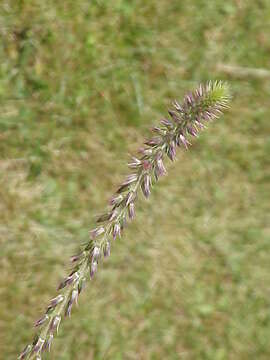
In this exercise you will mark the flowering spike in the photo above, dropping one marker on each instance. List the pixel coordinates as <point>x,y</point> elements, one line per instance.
<point>145,185</point>
<point>146,151</point>
<point>206,103</point>
<point>25,352</point>
<point>42,320</point>
<point>96,253</point>
<point>107,249</point>
<point>131,211</point>
<point>171,152</point>
<point>103,217</point>
<point>93,269</point>
<point>130,197</point>
<point>199,124</point>
<point>192,131</point>
<point>113,215</point>
<point>177,106</point>
<point>130,179</point>
<point>81,285</point>
<point>48,343</point>
<point>135,163</point>
<point>54,325</point>
<point>96,232</point>
<point>116,200</point>
<point>147,165</point>
<point>122,188</point>
<point>73,298</point>
<point>116,231</point>
<point>174,115</point>
<point>55,301</point>
<point>158,130</point>
<point>69,280</point>
<point>159,169</point>
<point>153,142</point>
<point>75,258</point>
<point>38,345</point>
<point>168,124</point>
<point>184,141</point>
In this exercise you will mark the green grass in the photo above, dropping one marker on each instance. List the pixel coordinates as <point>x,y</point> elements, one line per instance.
<point>80,82</point>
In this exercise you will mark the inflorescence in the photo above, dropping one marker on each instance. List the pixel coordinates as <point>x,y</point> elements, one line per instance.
<point>185,120</point>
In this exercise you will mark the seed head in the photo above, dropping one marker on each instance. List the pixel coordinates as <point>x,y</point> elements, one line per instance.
<point>55,301</point>
<point>135,163</point>
<point>81,285</point>
<point>42,320</point>
<point>145,185</point>
<point>54,325</point>
<point>107,249</point>
<point>38,345</point>
<point>96,232</point>
<point>203,105</point>
<point>131,210</point>
<point>116,231</point>
<point>48,343</point>
<point>116,200</point>
<point>96,253</point>
<point>25,352</point>
<point>159,169</point>
<point>69,280</point>
<point>93,269</point>
<point>73,298</point>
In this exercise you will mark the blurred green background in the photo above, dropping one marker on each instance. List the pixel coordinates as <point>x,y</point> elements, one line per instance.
<point>80,84</point>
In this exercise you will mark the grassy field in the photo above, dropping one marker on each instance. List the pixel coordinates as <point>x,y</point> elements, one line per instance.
<point>80,83</point>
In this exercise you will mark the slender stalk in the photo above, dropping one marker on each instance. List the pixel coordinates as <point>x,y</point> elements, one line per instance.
<point>203,105</point>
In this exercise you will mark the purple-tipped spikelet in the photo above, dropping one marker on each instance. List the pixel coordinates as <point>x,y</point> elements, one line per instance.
<point>198,108</point>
